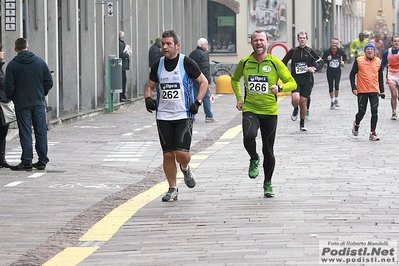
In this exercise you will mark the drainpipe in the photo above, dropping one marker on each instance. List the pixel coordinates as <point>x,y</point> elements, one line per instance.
<point>293,23</point>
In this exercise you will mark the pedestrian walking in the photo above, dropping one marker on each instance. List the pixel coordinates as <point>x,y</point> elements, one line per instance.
<point>390,60</point>
<point>334,57</point>
<point>27,82</point>
<point>366,80</point>
<point>172,76</point>
<point>261,72</point>
<point>304,62</point>
<point>201,57</point>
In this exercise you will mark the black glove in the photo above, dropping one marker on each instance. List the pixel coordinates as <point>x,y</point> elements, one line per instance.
<point>194,107</point>
<point>382,96</point>
<point>150,104</point>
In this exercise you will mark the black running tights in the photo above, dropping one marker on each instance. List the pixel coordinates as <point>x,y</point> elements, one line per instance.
<point>362,100</point>
<point>267,124</point>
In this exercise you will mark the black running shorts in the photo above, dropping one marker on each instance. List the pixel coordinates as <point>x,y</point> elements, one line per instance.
<point>175,135</point>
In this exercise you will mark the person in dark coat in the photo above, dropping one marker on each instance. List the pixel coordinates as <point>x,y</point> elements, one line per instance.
<point>27,82</point>
<point>335,58</point>
<point>155,52</point>
<point>201,57</point>
<point>3,128</point>
<point>124,54</point>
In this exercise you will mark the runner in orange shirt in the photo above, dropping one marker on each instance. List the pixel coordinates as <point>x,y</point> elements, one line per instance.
<point>390,59</point>
<point>367,84</point>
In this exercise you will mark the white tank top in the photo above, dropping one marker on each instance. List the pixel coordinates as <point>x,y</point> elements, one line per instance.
<point>174,92</point>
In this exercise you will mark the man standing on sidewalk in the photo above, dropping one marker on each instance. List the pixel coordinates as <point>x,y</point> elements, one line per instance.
<point>28,81</point>
<point>390,59</point>
<point>367,86</point>
<point>172,76</point>
<point>124,54</point>
<point>261,73</point>
<point>201,57</point>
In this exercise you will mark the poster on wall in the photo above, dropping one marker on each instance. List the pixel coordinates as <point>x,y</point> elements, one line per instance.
<point>270,16</point>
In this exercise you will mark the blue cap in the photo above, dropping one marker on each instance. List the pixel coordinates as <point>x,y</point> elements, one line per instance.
<point>369,44</point>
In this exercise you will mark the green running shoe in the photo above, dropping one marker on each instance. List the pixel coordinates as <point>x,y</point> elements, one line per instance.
<point>171,194</point>
<point>253,171</point>
<point>268,190</point>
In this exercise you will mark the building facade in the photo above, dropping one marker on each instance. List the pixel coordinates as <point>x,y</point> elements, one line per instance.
<point>77,37</point>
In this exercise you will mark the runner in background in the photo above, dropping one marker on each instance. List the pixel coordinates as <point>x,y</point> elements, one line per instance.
<point>390,59</point>
<point>304,62</point>
<point>334,57</point>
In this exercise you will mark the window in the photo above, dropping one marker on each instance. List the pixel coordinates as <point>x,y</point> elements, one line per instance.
<point>221,29</point>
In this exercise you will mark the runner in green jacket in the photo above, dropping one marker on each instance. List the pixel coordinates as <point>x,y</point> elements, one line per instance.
<point>259,107</point>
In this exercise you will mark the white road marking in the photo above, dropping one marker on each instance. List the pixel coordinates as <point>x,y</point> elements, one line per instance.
<point>13,184</point>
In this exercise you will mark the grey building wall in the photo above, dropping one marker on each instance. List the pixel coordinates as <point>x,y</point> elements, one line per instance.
<point>75,38</point>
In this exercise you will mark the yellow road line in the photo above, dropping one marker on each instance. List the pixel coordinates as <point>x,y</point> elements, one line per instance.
<point>106,228</point>
<point>71,256</point>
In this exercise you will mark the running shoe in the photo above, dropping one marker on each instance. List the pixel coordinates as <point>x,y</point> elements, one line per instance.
<point>394,117</point>
<point>294,115</point>
<point>373,136</point>
<point>253,171</point>
<point>302,128</point>
<point>189,177</point>
<point>332,105</point>
<point>210,119</point>
<point>355,129</point>
<point>307,115</point>
<point>268,189</point>
<point>171,194</point>
<point>336,103</point>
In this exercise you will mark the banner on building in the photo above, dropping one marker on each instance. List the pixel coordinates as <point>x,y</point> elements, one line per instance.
<point>270,16</point>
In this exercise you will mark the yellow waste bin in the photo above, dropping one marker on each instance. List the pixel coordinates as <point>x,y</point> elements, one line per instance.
<point>223,85</point>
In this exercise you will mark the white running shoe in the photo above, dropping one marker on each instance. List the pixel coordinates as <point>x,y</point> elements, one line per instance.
<point>355,129</point>
<point>294,115</point>
<point>373,136</point>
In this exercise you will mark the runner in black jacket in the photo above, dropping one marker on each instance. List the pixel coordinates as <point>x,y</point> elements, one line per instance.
<point>334,57</point>
<point>304,62</point>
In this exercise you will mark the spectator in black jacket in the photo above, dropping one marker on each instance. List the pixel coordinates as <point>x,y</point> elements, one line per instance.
<point>27,82</point>
<point>124,53</point>
<point>155,52</point>
<point>3,127</point>
<point>200,56</point>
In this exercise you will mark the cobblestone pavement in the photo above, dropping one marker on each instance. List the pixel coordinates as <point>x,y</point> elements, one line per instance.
<point>329,186</point>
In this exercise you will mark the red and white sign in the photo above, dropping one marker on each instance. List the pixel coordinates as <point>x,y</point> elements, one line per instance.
<point>279,50</point>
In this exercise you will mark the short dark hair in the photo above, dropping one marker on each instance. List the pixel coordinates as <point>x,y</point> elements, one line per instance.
<point>20,44</point>
<point>173,34</point>
<point>1,46</point>
<point>302,32</point>
<point>393,37</point>
<point>260,31</point>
